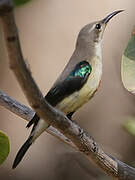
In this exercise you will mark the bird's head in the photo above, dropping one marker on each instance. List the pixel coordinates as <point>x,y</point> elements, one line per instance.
<point>92,33</point>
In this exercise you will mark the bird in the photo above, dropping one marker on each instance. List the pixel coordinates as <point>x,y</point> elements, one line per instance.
<point>78,82</point>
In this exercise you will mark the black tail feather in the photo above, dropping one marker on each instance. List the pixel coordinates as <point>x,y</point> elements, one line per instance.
<point>30,123</point>
<point>22,152</point>
<point>34,120</point>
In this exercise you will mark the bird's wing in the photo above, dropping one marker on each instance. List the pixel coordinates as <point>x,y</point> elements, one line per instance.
<point>65,88</point>
<point>71,83</point>
<point>59,92</point>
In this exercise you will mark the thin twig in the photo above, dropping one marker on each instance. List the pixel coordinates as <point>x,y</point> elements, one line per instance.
<point>85,143</point>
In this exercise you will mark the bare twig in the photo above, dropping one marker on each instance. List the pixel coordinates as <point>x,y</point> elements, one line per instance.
<point>85,143</point>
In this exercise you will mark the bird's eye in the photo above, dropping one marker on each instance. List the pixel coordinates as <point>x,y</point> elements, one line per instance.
<point>98,26</point>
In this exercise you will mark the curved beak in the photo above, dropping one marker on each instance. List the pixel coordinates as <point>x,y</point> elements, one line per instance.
<point>107,19</point>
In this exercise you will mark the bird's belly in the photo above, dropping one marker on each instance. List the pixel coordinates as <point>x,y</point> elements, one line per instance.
<point>74,101</point>
<point>78,98</point>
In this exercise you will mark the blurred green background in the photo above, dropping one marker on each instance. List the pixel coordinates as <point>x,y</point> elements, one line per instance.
<point>20,2</point>
<point>48,30</point>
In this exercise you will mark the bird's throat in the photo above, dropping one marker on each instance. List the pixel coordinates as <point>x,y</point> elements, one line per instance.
<point>97,51</point>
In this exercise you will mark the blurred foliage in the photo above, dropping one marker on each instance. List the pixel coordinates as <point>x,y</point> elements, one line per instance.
<point>4,147</point>
<point>128,65</point>
<point>20,2</point>
<point>128,77</point>
<point>129,125</point>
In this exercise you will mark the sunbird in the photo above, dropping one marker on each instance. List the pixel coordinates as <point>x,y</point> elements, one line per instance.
<point>78,82</point>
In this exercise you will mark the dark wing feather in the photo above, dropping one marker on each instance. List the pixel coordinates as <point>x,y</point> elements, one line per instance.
<point>60,91</point>
<point>64,89</point>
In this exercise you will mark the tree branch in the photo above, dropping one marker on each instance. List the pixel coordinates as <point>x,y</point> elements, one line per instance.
<point>85,143</point>
<point>27,114</point>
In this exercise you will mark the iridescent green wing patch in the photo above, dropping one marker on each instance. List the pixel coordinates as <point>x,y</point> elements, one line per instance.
<point>72,83</point>
<point>128,65</point>
<point>81,69</point>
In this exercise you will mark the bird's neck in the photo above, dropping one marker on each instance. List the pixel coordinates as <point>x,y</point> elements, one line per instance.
<point>89,51</point>
<point>98,50</point>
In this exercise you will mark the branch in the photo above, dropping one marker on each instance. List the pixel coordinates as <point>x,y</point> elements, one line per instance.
<point>85,143</point>
<point>27,114</point>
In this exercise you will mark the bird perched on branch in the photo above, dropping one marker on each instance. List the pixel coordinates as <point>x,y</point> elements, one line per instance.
<point>77,83</point>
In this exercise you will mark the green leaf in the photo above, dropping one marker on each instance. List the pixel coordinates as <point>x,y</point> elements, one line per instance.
<point>128,66</point>
<point>4,147</point>
<point>129,125</point>
<point>20,2</point>
<point>130,49</point>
